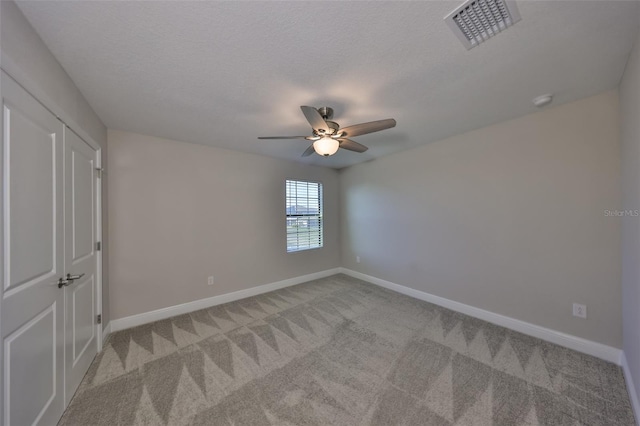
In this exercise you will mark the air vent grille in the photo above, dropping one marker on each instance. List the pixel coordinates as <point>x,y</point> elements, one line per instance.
<point>477,21</point>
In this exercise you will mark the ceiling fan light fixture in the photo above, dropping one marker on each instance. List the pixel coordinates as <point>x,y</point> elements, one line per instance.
<point>326,146</point>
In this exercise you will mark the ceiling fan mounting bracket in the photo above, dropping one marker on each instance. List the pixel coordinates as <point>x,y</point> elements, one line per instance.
<point>326,113</point>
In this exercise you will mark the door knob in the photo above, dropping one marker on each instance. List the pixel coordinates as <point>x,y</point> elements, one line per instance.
<point>63,282</point>
<point>74,277</point>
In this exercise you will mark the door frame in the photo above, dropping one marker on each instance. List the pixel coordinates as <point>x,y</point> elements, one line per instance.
<point>12,71</point>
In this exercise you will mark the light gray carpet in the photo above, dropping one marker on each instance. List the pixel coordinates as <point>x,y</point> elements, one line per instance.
<point>340,351</point>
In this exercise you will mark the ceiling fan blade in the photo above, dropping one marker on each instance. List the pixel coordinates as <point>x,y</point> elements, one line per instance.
<point>315,119</point>
<point>352,145</point>
<point>308,151</point>
<point>372,126</point>
<point>282,137</point>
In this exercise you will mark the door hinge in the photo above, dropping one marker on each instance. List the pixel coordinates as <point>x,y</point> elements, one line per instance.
<point>99,172</point>
<point>99,318</point>
<point>98,246</point>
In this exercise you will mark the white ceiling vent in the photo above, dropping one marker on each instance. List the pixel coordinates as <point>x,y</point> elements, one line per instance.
<point>476,21</point>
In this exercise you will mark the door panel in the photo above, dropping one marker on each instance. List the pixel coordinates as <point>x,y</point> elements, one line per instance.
<point>83,170</point>
<point>32,321</point>
<point>31,362</point>
<point>80,255</point>
<point>83,315</point>
<point>31,192</point>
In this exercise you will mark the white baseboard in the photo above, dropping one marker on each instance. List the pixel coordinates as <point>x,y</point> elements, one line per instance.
<point>170,311</point>
<point>589,347</point>
<point>633,395</point>
<point>608,353</point>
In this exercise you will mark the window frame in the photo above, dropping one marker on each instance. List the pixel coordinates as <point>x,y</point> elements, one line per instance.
<point>289,216</point>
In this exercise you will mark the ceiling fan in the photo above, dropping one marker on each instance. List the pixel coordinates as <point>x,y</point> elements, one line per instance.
<point>328,136</point>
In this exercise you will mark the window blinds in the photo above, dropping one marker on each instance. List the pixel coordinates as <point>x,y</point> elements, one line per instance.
<point>304,215</point>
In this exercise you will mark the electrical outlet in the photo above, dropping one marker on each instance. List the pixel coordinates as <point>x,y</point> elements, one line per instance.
<point>579,310</point>
<point>357,259</point>
<point>210,280</point>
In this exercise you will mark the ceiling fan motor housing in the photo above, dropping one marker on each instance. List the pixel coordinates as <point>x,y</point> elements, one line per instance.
<point>333,129</point>
<point>333,126</point>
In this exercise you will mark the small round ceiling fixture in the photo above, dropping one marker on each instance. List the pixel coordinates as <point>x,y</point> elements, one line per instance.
<point>543,100</point>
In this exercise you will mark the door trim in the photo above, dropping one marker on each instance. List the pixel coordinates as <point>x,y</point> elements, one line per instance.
<point>98,183</point>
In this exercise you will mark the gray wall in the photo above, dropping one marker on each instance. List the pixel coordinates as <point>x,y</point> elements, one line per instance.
<point>630,137</point>
<point>27,59</point>
<point>180,212</point>
<point>508,218</point>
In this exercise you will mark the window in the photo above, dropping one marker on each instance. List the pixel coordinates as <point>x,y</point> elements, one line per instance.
<point>304,215</point>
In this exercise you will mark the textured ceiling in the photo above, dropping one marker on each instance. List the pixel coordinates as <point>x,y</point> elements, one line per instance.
<point>224,73</point>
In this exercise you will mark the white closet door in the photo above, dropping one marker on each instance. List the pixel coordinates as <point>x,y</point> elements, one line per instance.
<point>32,320</point>
<point>80,259</point>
